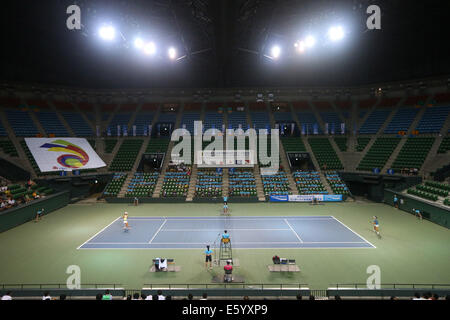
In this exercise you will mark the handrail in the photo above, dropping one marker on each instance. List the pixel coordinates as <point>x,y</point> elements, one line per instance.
<point>49,286</point>
<point>250,286</point>
<point>392,285</point>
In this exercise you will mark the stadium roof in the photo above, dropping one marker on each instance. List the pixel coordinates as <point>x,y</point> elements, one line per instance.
<point>222,43</point>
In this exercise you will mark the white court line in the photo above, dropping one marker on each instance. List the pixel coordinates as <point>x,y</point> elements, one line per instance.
<point>230,218</point>
<point>296,234</point>
<point>99,232</point>
<point>118,243</point>
<point>162,225</point>
<point>354,232</point>
<point>236,243</point>
<point>243,248</point>
<point>213,230</point>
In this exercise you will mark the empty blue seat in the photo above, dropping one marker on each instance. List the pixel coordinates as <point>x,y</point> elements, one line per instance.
<point>21,123</point>
<point>401,121</point>
<point>78,124</point>
<point>374,121</point>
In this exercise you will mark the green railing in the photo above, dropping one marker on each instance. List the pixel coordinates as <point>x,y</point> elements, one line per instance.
<point>249,286</point>
<point>394,286</point>
<point>49,286</point>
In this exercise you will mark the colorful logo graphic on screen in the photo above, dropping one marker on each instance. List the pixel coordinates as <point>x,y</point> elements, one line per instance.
<point>75,157</point>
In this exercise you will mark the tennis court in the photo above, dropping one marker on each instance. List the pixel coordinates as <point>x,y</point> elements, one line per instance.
<point>303,232</point>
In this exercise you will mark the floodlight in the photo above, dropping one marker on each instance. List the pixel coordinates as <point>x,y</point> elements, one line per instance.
<point>276,51</point>
<point>138,43</point>
<point>300,46</point>
<point>172,52</point>
<point>336,33</point>
<point>107,32</point>
<point>310,41</point>
<point>150,48</point>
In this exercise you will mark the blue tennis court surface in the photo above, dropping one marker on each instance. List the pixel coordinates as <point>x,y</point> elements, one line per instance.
<point>245,233</point>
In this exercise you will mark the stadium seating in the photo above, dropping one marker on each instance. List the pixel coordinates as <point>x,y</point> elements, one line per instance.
<point>157,145</point>
<point>332,118</point>
<point>213,120</point>
<point>209,183</point>
<point>336,183</point>
<point>2,131</point>
<point>308,182</point>
<point>401,121</point>
<point>445,145</point>
<point>110,144</point>
<point>374,121</point>
<point>422,194</point>
<point>119,119</point>
<point>293,144</point>
<point>378,154</point>
<point>325,154</point>
<point>176,183</point>
<point>114,186</point>
<point>282,116</point>
<point>142,184</point>
<point>341,143</point>
<point>438,185</point>
<point>142,121</point>
<point>188,120</point>
<point>78,124</point>
<point>18,191</point>
<point>435,191</point>
<point>21,123</point>
<point>8,147</point>
<point>308,120</point>
<point>33,162</point>
<point>362,143</point>
<point>242,183</point>
<point>433,119</point>
<point>260,120</point>
<point>51,124</point>
<point>237,118</point>
<point>126,155</point>
<point>167,117</point>
<point>276,184</point>
<point>413,153</point>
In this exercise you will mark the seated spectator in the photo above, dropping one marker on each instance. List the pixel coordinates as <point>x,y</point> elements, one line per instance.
<point>98,296</point>
<point>7,296</point>
<point>62,297</point>
<point>107,296</point>
<point>204,296</point>
<point>46,296</point>
<point>276,259</point>
<point>135,296</point>
<point>160,295</point>
<point>190,296</point>
<point>228,271</point>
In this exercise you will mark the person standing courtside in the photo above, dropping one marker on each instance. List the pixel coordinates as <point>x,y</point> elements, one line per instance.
<point>208,257</point>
